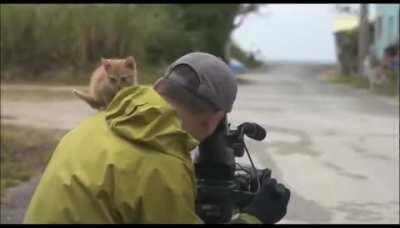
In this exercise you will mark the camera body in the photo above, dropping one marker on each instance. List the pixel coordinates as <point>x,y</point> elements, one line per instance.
<point>224,186</point>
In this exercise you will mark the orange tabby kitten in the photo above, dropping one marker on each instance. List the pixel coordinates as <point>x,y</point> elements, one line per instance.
<point>107,80</point>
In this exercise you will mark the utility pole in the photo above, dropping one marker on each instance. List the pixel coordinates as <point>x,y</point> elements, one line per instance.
<point>363,38</point>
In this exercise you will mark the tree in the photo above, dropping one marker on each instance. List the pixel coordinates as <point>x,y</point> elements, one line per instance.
<point>363,30</point>
<point>242,11</point>
<point>52,37</point>
<point>210,25</point>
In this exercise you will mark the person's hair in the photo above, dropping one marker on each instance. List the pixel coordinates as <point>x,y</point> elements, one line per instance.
<point>183,96</point>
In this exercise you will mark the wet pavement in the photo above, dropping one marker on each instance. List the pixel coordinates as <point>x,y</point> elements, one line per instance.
<point>335,147</point>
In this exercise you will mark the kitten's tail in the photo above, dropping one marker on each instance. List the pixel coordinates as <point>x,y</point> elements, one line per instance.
<point>86,97</point>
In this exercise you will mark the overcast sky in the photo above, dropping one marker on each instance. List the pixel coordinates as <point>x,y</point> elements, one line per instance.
<point>299,32</point>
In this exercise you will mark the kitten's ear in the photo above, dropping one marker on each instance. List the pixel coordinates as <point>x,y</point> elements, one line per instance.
<point>130,62</point>
<point>106,64</point>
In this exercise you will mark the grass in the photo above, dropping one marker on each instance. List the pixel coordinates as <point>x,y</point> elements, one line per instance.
<point>356,81</point>
<point>64,76</point>
<point>352,80</point>
<point>36,93</point>
<point>24,152</point>
<point>69,76</point>
<point>36,88</point>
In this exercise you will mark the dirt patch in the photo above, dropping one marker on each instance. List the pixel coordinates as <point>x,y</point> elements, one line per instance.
<point>42,106</point>
<point>38,93</point>
<point>7,117</point>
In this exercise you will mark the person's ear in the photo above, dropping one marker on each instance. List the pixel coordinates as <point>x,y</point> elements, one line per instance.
<point>212,121</point>
<point>217,117</point>
<point>155,85</point>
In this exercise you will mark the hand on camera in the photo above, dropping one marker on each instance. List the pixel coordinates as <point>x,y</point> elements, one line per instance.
<point>270,203</point>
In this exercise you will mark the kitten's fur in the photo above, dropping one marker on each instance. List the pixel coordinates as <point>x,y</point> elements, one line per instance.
<point>107,80</point>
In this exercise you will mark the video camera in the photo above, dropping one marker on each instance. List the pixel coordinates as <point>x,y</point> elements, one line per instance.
<point>224,186</point>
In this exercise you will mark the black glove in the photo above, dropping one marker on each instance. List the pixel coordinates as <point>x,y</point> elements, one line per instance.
<point>270,203</point>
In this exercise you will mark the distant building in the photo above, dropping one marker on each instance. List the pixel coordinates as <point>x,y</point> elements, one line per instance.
<point>386,27</point>
<point>383,61</point>
<point>383,44</point>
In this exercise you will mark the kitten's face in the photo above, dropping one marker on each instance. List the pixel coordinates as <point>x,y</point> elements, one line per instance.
<point>120,72</point>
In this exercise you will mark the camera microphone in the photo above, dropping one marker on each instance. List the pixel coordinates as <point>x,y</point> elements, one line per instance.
<point>253,130</point>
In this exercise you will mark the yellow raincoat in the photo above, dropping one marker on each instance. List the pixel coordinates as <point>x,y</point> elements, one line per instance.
<point>128,164</point>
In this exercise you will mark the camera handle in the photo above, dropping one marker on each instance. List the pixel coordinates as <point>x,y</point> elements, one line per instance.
<point>219,199</point>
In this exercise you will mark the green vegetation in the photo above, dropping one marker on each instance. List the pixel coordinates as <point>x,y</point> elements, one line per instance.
<point>24,152</point>
<point>348,47</point>
<point>353,80</point>
<point>65,42</point>
<point>391,87</point>
<point>385,88</point>
<point>244,57</point>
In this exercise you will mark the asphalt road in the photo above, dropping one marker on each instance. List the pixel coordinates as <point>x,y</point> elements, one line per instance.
<point>335,147</point>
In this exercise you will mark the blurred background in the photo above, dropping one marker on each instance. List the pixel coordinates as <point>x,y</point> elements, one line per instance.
<point>323,79</point>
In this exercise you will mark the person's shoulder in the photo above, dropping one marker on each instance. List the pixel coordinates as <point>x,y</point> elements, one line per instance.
<point>91,124</point>
<point>172,172</point>
<point>164,161</point>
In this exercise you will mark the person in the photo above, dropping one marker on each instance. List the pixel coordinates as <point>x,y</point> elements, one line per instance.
<point>392,56</point>
<point>131,163</point>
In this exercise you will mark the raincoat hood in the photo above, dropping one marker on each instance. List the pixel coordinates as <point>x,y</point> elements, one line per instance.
<point>140,115</point>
